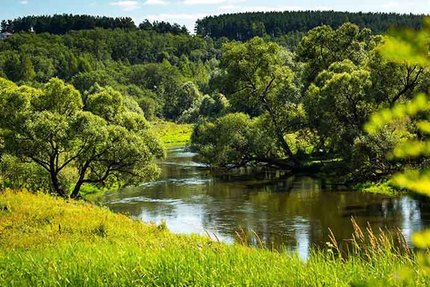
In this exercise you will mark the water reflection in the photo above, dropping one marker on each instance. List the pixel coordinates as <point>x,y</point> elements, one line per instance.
<point>291,211</point>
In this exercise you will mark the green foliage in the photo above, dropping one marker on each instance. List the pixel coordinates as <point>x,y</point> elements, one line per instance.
<point>323,46</point>
<point>235,140</point>
<point>258,80</point>
<point>18,174</point>
<point>156,62</point>
<point>103,139</point>
<point>60,24</point>
<point>167,84</point>
<point>106,103</point>
<point>244,26</point>
<point>224,142</point>
<point>411,47</point>
<point>385,188</point>
<point>341,92</point>
<point>348,81</point>
<point>85,81</point>
<point>19,68</point>
<point>214,106</point>
<point>394,82</point>
<point>187,103</point>
<point>254,73</point>
<point>400,111</point>
<point>313,102</point>
<point>163,27</point>
<point>324,101</point>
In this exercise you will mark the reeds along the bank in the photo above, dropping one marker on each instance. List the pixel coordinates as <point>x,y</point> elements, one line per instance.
<point>365,242</point>
<point>368,243</point>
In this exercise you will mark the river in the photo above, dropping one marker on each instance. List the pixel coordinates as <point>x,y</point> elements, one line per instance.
<point>294,212</point>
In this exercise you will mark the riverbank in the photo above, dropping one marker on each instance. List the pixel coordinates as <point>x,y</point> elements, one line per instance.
<point>173,134</point>
<point>383,187</point>
<point>46,241</point>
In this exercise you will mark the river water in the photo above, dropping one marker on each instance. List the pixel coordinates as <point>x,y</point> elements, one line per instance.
<point>294,212</point>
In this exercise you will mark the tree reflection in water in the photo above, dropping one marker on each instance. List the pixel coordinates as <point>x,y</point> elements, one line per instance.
<point>292,212</point>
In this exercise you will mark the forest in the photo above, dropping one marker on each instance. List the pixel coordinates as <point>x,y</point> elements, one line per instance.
<point>252,103</point>
<point>333,95</point>
<point>61,24</point>
<point>244,26</point>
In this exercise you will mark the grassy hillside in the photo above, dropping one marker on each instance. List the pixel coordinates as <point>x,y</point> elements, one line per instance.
<point>49,242</point>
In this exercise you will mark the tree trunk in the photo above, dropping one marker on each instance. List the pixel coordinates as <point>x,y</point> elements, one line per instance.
<point>77,188</point>
<point>81,180</point>
<point>56,184</point>
<point>286,147</point>
<point>278,130</point>
<point>280,136</point>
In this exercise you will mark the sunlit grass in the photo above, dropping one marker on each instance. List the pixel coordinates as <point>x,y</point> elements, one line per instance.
<point>384,188</point>
<point>50,242</point>
<point>172,134</point>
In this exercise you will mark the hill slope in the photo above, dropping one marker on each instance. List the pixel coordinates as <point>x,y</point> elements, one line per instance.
<point>50,242</point>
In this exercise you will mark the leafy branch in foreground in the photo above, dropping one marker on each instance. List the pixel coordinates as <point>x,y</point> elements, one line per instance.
<point>411,47</point>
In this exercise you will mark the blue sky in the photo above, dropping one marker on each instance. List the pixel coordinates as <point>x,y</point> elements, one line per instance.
<point>186,12</point>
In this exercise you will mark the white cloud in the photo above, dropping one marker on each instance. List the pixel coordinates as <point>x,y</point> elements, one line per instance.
<point>23,2</point>
<point>390,5</point>
<point>187,19</point>
<point>126,5</point>
<point>179,16</point>
<point>241,8</point>
<point>156,2</point>
<point>212,2</point>
<point>194,2</point>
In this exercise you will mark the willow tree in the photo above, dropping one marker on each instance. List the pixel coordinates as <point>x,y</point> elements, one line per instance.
<point>100,139</point>
<point>258,80</point>
<point>323,45</point>
<point>338,103</point>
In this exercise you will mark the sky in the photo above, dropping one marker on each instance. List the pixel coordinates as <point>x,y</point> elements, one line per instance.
<point>186,12</point>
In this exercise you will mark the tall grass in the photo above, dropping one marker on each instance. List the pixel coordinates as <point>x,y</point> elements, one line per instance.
<point>50,242</point>
<point>368,244</point>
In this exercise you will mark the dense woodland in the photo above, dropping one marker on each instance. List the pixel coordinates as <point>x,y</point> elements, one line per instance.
<point>61,24</point>
<point>244,26</point>
<point>253,103</point>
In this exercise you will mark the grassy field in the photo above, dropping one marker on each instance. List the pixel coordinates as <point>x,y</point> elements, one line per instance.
<point>172,134</point>
<point>50,242</point>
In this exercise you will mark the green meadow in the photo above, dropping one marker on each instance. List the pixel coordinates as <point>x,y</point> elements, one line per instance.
<point>47,241</point>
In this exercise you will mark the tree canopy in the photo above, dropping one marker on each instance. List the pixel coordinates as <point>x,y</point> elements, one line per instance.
<point>296,101</point>
<point>98,138</point>
<point>244,26</point>
<point>310,105</point>
<point>62,23</point>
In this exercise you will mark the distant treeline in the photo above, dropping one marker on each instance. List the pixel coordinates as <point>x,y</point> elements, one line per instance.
<point>244,26</point>
<point>61,24</point>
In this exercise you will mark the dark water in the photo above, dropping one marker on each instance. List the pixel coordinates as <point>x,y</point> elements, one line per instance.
<point>291,211</point>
